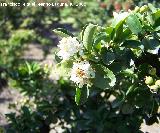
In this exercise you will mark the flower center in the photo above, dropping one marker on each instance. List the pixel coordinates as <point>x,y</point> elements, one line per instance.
<point>80,72</point>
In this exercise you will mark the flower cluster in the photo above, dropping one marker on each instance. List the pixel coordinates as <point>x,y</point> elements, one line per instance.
<point>68,47</point>
<point>82,71</point>
<point>120,16</point>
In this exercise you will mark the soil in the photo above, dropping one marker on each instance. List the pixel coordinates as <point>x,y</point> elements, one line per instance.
<point>7,96</point>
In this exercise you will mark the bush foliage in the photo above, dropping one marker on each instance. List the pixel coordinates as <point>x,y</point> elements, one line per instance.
<point>114,82</point>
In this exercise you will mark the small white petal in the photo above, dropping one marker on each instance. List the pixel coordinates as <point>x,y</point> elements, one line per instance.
<point>81,73</point>
<point>68,47</point>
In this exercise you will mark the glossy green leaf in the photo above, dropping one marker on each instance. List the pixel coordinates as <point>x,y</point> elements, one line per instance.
<point>101,36</point>
<point>151,45</point>
<point>130,89</point>
<point>152,8</point>
<point>77,95</point>
<point>111,76</point>
<point>118,20</point>
<point>81,95</point>
<point>134,24</point>
<point>88,36</point>
<point>119,31</point>
<point>110,32</point>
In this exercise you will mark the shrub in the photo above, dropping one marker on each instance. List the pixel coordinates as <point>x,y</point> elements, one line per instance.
<point>115,79</point>
<point>117,59</point>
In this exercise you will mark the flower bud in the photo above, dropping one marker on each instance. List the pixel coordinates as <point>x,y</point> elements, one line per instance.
<point>148,80</point>
<point>157,82</point>
<point>136,9</point>
<point>152,71</point>
<point>154,87</point>
<point>143,9</point>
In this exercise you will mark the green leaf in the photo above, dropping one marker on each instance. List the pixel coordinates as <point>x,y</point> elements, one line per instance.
<point>118,25</point>
<point>157,15</point>
<point>57,59</point>
<point>129,73</point>
<point>83,30</point>
<point>130,89</point>
<point>127,109</point>
<point>101,36</point>
<point>134,24</point>
<point>110,32</point>
<point>151,45</point>
<point>78,95</point>
<point>124,57</point>
<point>111,76</point>
<point>119,31</point>
<point>104,79</point>
<point>28,67</point>
<point>157,28</point>
<point>119,20</point>
<point>133,44</point>
<point>101,82</point>
<point>26,111</point>
<point>67,64</point>
<point>94,58</point>
<point>126,34</point>
<point>81,95</point>
<point>152,8</point>
<point>84,95</point>
<point>107,57</point>
<point>88,36</point>
<point>116,67</point>
<point>62,32</point>
<point>150,19</point>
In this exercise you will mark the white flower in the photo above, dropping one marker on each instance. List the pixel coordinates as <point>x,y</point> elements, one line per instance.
<point>120,16</point>
<point>68,47</point>
<point>81,73</point>
<point>115,14</point>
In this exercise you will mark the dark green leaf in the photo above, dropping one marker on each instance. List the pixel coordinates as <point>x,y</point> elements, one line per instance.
<point>81,95</point>
<point>151,45</point>
<point>118,32</point>
<point>133,44</point>
<point>62,32</point>
<point>78,95</point>
<point>107,57</point>
<point>101,82</point>
<point>126,34</point>
<point>105,79</point>
<point>130,89</point>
